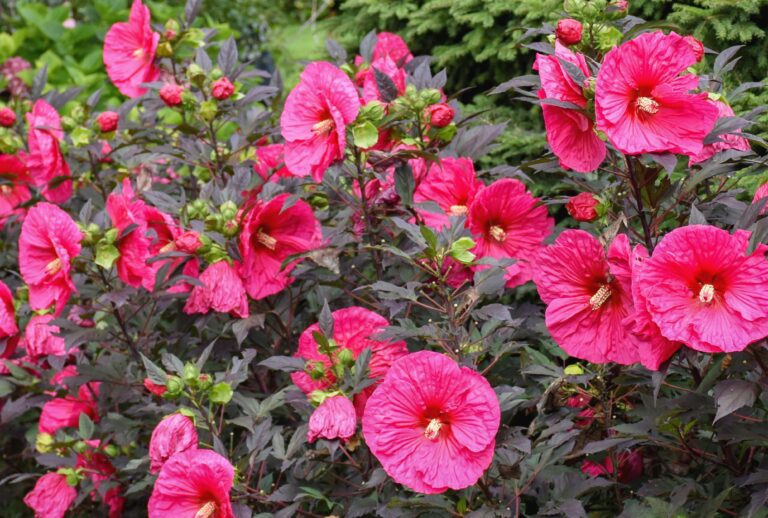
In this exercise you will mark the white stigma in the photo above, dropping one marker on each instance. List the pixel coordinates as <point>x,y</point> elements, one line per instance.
<point>432,431</point>
<point>707,293</point>
<point>648,105</point>
<point>600,297</point>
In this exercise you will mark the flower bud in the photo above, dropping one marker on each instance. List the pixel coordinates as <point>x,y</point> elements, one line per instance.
<point>582,207</point>
<point>208,110</point>
<point>175,387</point>
<point>171,29</point>
<point>333,419</point>
<point>111,450</point>
<point>191,372</point>
<point>222,89</point>
<point>165,50</point>
<point>346,357</point>
<point>440,115</point>
<point>170,93</point>
<point>154,388</point>
<point>7,117</point>
<point>108,121</point>
<point>44,443</point>
<point>317,372</point>
<point>204,382</point>
<point>228,209</point>
<point>80,447</point>
<point>196,74</point>
<point>189,242</point>
<point>568,31</point>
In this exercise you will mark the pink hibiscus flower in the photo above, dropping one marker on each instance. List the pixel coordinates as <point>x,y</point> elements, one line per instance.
<point>508,222</point>
<point>64,412</point>
<point>587,302</point>
<point>702,289</point>
<point>270,234</point>
<point>392,46</point>
<point>51,496</point>
<point>570,133</point>
<point>222,291</point>
<point>14,189</point>
<point>333,419</point>
<point>315,118</point>
<point>270,163</point>
<point>8,326</point>
<point>452,185</point>
<point>48,243</point>
<point>193,484</point>
<point>174,434</point>
<point>41,338</point>
<point>47,167</point>
<point>129,52</point>
<point>727,141</point>
<point>432,424</point>
<point>643,103</point>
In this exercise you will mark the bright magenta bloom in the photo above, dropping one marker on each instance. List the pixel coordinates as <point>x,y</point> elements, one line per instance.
<point>452,185</point>
<point>334,419</point>
<point>702,289</point>
<point>64,412</point>
<point>392,46</point>
<point>46,163</point>
<point>48,243</point>
<point>174,434</point>
<point>587,301</point>
<point>193,484</point>
<point>129,52</point>
<point>14,190</point>
<point>315,118</point>
<point>570,133</point>
<point>727,141</point>
<point>222,291</point>
<point>269,236</point>
<point>508,222</point>
<point>51,496</point>
<point>8,326</point>
<point>643,103</point>
<point>40,337</point>
<point>432,424</point>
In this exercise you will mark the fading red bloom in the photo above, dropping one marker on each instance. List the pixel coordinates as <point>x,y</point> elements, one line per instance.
<point>40,338</point>
<point>47,167</point>
<point>582,206</point>
<point>222,89</point>
<point>696,46</point>
<point>222,291</point>
<point>170,93</point>
<point>129,52</point>
<point>333,419</point>
<point>51,497</point>
<point>440,115</point>
<point>154,388</point>
<point>642,102</point>
<point>568,31</point>
<point>432,424</point>
<point>392,46</point>
<point>193,484</point>
<point>315,118</point>
<point>727,141</point>
<point>630,466</point>
<point>108,121</point>
<point>48,243</point>
<point>508,222</point>
<point>270,234</point>
<point>174,434</point>
<point>7,117</point>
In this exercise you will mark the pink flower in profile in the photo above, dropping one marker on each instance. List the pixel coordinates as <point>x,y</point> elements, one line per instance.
<point>270,234</point>
<point>8,326</point>
<point>432,424</point>
<point>642,102</point>
<point>387,67</point>
<point>51,496</point>
<point>64,412</point>
<point>508,222</point>
<point>392,46</point>
<point>334,419</point>
<point>129,52</point>
<point>222,291</point>
<point>452,185</point>
<point>570,133</point>
<point>47,167</point>
<point>315,118</point>
<point>41,338</point>
<point>193,484</point>
<point>14,189</point>
<point>727,141</point>
<point>48,243</point>
<point>174,434</point>
<point>354,328</point>
<point>587,302</point>
<point>701,288</point>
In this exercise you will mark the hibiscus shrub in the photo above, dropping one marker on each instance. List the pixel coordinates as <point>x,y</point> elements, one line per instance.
<point>215,305</point>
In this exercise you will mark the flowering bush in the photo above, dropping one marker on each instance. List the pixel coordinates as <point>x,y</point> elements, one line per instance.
<point>213,305</point>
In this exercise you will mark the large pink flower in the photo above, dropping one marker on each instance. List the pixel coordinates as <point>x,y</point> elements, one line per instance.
<point>193,484</point>
<point>48,243</point>
<point>432,424</point>
<point>702,289</point>
<point>452,185</point>
<point>315,118</point>
<point>354,328</point>
<point>174,434</point>
<point>129,52</point>
<point>508,222</point>
<point>40,338</point>
<point>570,133</point>
<point>14,189</point>
<point>392,46</point>
<point>333,419</point>
<point>47,167</point>
<point>643,103</point>
<point>64,412</point>
<point>51,496</point>
<point>222,291</point>
<point>727,141</point>
<point>587,302</point>
<point>272,233</point>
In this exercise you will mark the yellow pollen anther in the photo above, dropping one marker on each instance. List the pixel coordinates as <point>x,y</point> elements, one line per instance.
<point>5,189</point>
<point>647,104</point>
<point>498,233</point>
<point>458,210</point>
<point>707,293</point>
<point>266,240</point>
<point>208,510</point>
<point>432,431</point>
<point>138,53</point>
<point>323,127</point>
<point>53,267</point>
<point>170,247</point>
<point>600,296</point>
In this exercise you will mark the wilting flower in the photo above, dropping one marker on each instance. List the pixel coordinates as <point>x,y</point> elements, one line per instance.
<point>108,121</point>
<point>170,93</point>
<point>47,167</point>
<point>48,243</point>
<point>270,234</point>
<point>568,31</point>
<point>174,434</point>
<point>7,117</point>
<point>14,190</point>
<point>315,118</point>
<point>222,88</point>
<point>222,291</point>
<point>508,222</point>
<point>582,206</point>
<point>354,328</point>
<point>333,419</point>
<point>452,185</point>
<point>432,424</point>
<point>570,133</point>
<point>643,103</point>
<point>40,337</point>
<point>726,141</point>
<point>193,484</point>
<point>129,52</point>
<point>51,496</point>
<point>630,466</point>
<point>392,46</point>
<point>701,288</point>
<point>586,302</point>
<point>440,115</point>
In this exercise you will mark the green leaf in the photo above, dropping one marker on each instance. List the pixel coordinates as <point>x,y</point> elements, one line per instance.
<point>365,135</point>
<point>106,255</point>
<point>85,427</point>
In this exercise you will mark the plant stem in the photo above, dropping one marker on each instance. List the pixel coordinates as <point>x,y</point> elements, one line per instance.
<point>638,195</point>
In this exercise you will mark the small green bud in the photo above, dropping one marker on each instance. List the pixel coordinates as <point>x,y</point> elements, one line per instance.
<point>221,393</point>
<point>430,96</point>
<point>346,357</point>
<point>373,111</point>
<point>165,50</point>
<point>228,209</point>
<point>204,382</point>
<point>44,443</point>
<point>110,236</point>
<point>175,387</point>
<point>191,373</point>
<point>208,110</point>
<point>111,450</point>
<point>196,75</point>
<point>573,370</point>
<point>80,447</point>
<point>317,372</point>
